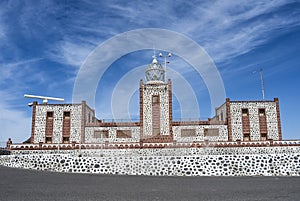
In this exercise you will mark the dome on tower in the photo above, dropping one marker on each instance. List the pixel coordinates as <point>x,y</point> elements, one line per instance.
<point>155,72</point>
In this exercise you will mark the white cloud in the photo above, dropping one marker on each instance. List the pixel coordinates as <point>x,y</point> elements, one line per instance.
<point>14,124</point>
<point>9,70</point>
<point>228,29</point>
<point>71,53</point>
<point>3,28</point>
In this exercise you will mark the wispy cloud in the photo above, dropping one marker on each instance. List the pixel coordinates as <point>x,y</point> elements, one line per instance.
<point>225,29</point>
<point>16,77</point>
<point>14,123</point>
<point>9,70</point>
<point>70,53</point>
<point>228,29</point>
<point>2,27</point>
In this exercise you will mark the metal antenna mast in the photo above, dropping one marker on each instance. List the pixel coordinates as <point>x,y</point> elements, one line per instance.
<point>165,62</point>
<point>262,84</point>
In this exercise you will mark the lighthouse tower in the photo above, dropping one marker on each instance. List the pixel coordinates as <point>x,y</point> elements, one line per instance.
<point>156,104</point>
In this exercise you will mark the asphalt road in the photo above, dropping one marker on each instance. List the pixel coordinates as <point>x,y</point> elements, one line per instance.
<point>19,184</point>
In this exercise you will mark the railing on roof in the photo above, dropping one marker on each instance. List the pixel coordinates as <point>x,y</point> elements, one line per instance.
<point>118,120</point>
<point>190,119</point>
<point>137,119</point>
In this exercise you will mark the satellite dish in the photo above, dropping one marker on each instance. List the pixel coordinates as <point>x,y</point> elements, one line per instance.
<point>30,104</point>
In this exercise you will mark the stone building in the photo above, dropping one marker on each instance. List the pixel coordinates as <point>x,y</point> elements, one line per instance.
<point>68,124</point>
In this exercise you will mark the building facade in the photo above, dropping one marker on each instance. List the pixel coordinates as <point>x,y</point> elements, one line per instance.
<point>233,121</point>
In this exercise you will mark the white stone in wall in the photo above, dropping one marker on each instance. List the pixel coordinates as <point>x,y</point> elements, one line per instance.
<point>236,119</point>
<point>148,92</point>
<point>245,161</point>
<point>40,122</point>
<point>89,134</point>
<point>223,133</point>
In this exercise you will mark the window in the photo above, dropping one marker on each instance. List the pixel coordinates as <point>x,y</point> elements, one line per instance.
<point>188,132</point>
<point>222,116</point>
<point>246,137</point>
<point>101,134</point>
<point>262,112</point>
<point>211,132</point>
<point>263,136</point>
<point>156,131</point>
<point>48,139</point>
<point>155,99</point>
<point>245,112</point>
<point>49,114</point>
<point>67,114</point>
<point>49,126</point>
<point>123,133</point>
<point>66,139</point>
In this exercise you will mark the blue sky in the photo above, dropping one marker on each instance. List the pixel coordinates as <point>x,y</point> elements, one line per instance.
<point>43,44</point>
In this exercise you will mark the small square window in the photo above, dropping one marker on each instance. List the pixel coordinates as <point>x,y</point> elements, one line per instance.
<point>67,114</point>
<point>188,132</point>
<point>123,133</point>
<point>262,112</point>
<point>48,139</point>
<point>246,137</point>
<point>66,139</point>
<point>155,99</point>
<point>263,136</point>
<point>49,114</point>
<point>222,116</point>
<point>245,112</point>
<point>156,131</point>
<point>101,134</point>
<point>211,132</point>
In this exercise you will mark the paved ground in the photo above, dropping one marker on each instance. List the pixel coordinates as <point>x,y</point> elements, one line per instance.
<point>17,184</point>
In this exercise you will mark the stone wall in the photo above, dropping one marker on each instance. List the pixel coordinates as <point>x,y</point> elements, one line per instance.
<point>246,161</point>
<point>162,91</point>
<point>57,109</point>
<point>253,106</point>
<point>112,134</point>
<point>223,133</point>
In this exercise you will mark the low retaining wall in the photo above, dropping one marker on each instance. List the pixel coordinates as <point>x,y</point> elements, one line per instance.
<point>247,161</point>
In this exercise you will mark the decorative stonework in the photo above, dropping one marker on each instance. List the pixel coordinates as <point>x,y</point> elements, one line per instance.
<point>112,136</point>
<point>40,123</point>
<point>236,119</point>
<point>243,161</point>
<point>162,91</point>
<point>223,133</point>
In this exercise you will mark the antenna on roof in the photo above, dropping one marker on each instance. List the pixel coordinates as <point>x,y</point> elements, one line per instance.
<point>45,98</point>
<point>262,84</point>
<point>154,53</point>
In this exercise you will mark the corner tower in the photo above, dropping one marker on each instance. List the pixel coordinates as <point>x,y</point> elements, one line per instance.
<point>156,104</point>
